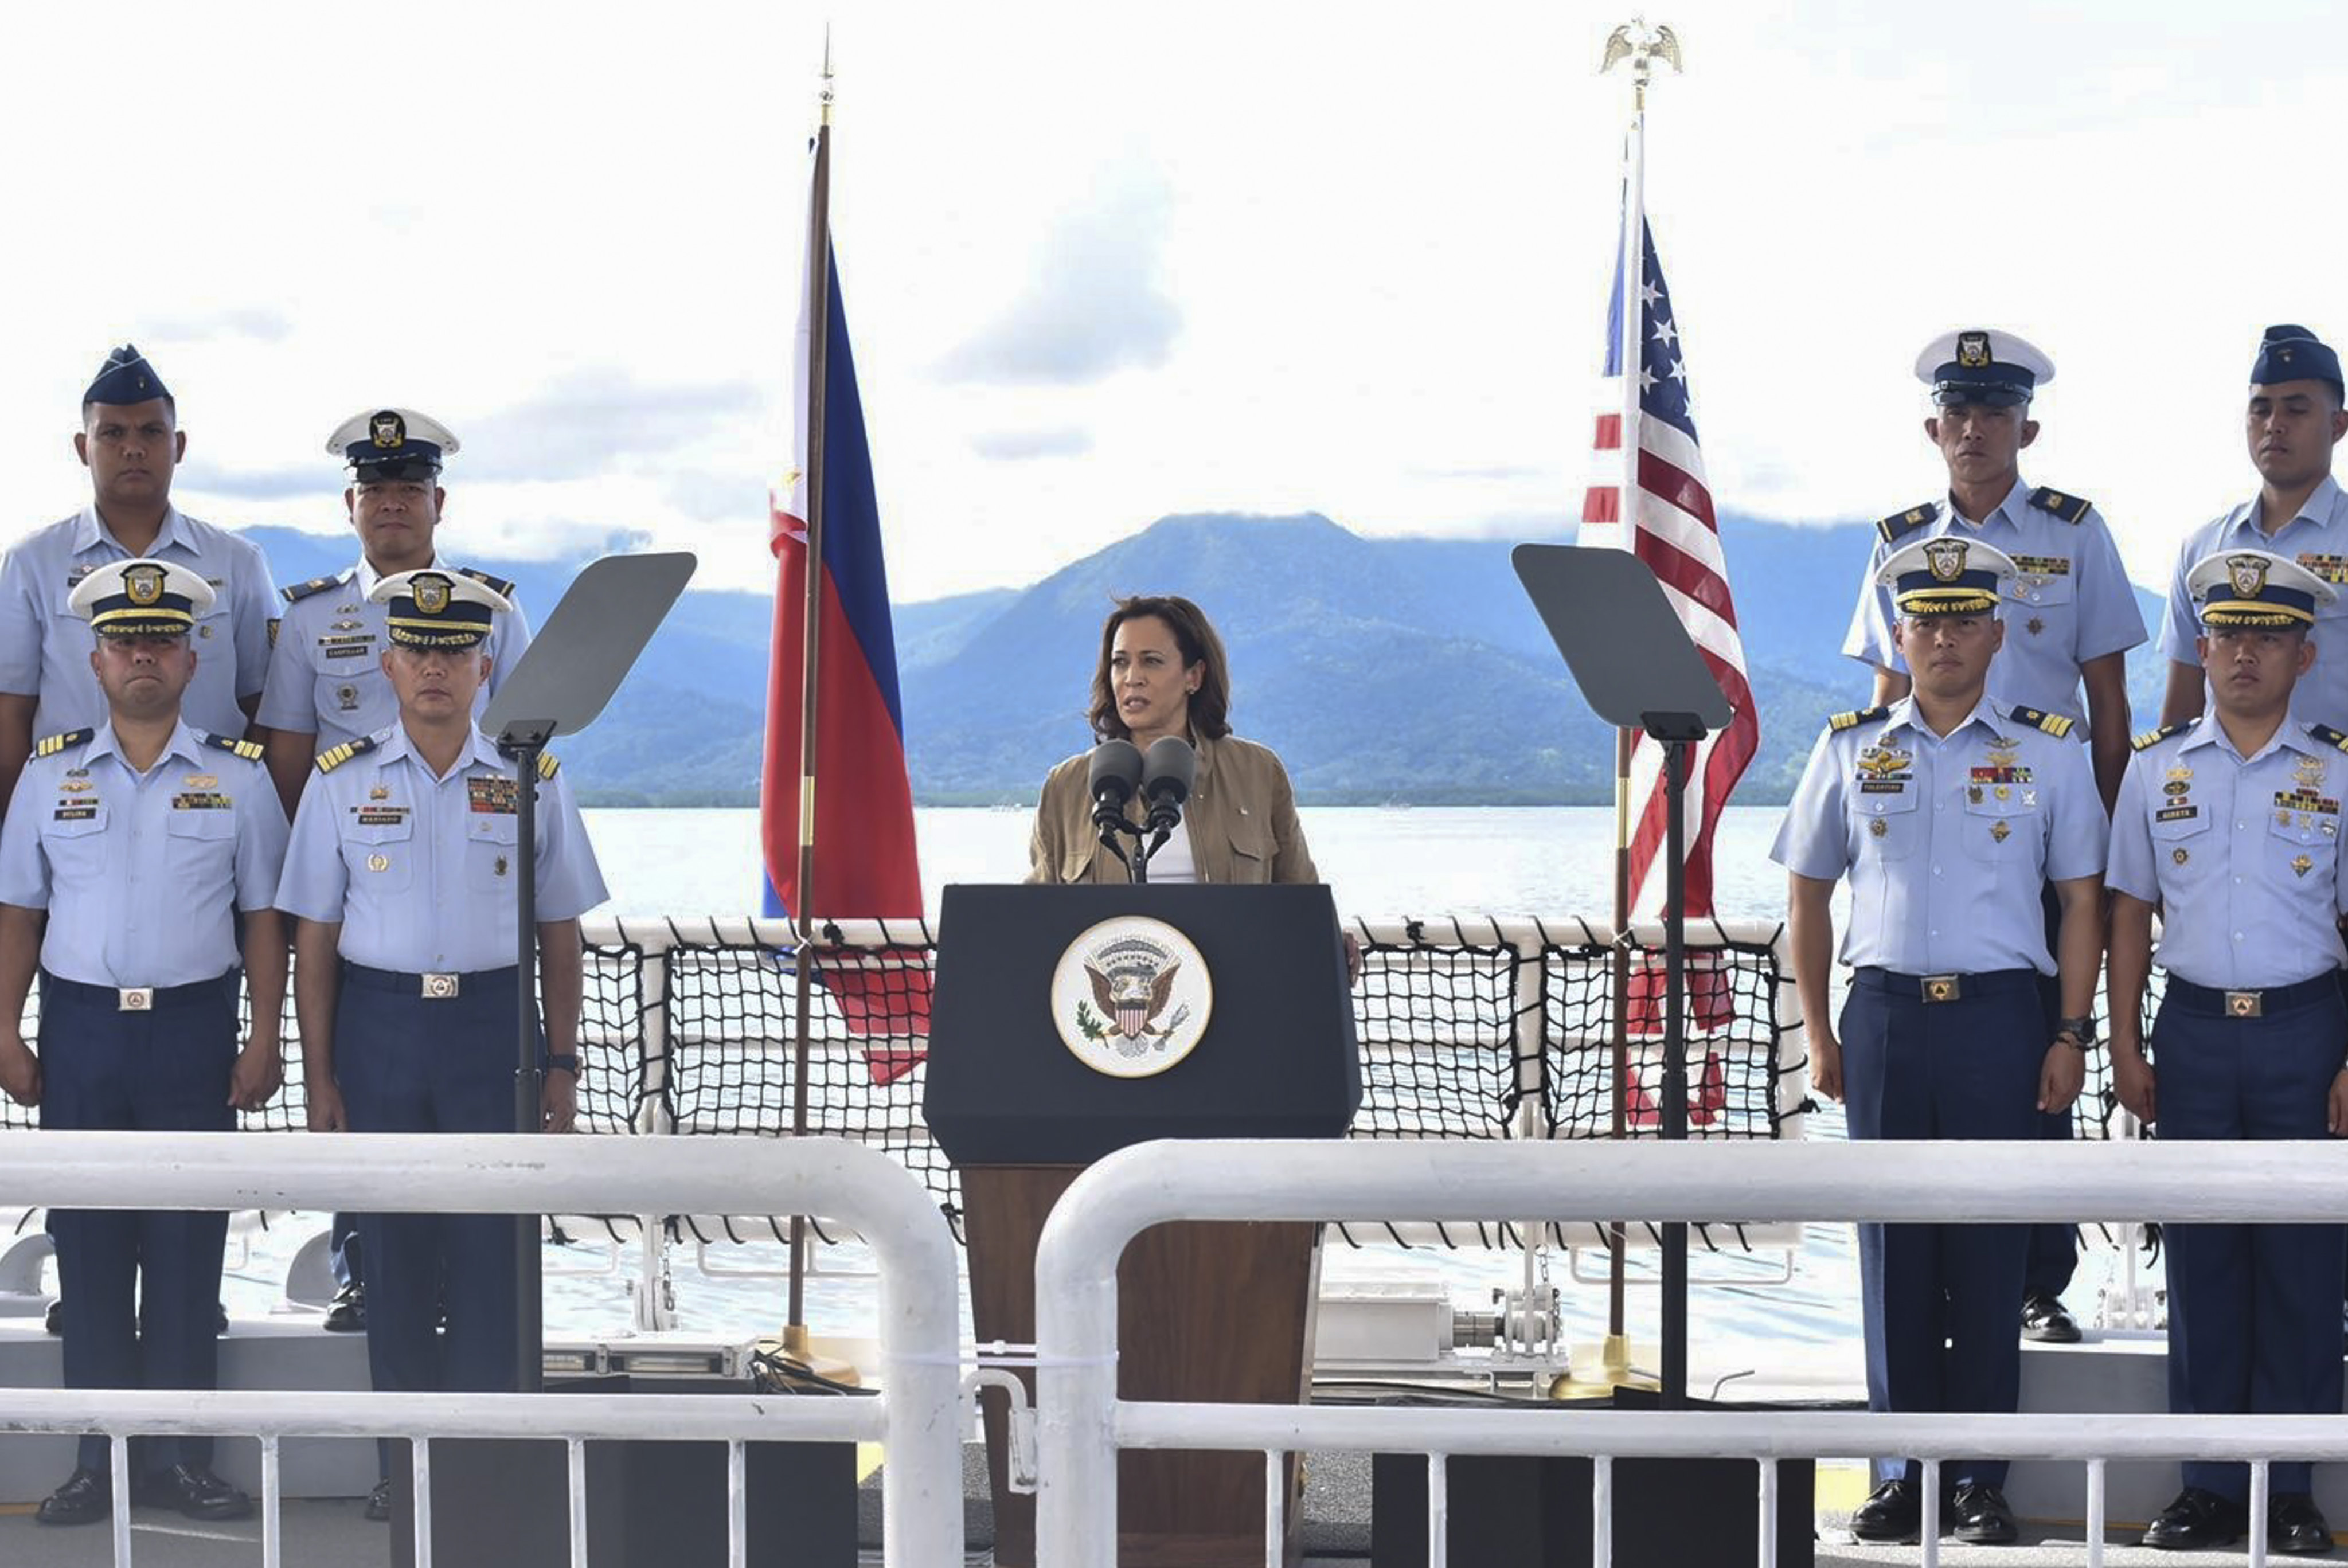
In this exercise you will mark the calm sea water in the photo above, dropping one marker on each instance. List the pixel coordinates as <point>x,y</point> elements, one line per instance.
<point>1796,1315</point>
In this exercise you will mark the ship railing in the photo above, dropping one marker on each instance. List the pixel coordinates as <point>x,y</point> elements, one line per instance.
<point>919,1415</point>
<point>1083,1425</point>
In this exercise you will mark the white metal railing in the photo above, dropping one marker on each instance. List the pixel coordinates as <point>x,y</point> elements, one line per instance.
<point>1083,1423</point>
<point>920,1415</point>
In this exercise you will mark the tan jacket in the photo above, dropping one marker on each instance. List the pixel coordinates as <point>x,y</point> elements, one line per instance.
<point>1242,814</point>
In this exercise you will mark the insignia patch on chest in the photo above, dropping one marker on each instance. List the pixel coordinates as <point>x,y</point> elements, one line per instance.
<point>203,780</point>
<point>201,800</point>
<point>2301,865</point>
<point>2331,568</point>
<point>2042,565</point>
<point>2303,800</point>
<point>490,792</point>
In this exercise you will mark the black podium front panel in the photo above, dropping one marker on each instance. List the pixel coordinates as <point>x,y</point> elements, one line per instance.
<point>1276,1058</point>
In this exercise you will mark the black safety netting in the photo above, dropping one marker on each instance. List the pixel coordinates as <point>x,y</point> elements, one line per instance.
<point>732,1048</point>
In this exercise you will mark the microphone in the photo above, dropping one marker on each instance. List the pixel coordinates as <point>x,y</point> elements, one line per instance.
<point>1166,778</point>
<point>1111,778</point>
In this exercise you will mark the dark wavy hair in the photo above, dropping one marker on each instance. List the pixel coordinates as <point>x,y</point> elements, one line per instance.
<point>1194,636</point>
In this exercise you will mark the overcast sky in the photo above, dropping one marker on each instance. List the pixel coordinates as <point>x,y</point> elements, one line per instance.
<point>1107,262</point>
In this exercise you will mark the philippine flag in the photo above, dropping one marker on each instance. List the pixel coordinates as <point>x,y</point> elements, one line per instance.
<point>865,866</point>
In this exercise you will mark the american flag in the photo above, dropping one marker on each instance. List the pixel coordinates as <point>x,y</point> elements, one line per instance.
<point>1671,527</point>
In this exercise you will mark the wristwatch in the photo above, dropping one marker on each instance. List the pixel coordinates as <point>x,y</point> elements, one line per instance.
<point>2081,1030</point>
<point>563,1062</point>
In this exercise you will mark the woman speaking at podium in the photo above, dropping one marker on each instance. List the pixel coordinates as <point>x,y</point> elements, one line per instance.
<point>1163,672</point>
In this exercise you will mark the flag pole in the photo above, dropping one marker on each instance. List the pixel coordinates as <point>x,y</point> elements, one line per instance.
<point>1641,45</point>
<point>818,291</point>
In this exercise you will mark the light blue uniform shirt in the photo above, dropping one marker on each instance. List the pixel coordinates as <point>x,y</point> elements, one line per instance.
<point>421,871</point>
<point>2317,537</point>
<point>44,650</point>
<point>2070,603</point>
<point>140,872</point>
<point>326,675</point>
<point>2242,853</point>
<point>1946,840</point>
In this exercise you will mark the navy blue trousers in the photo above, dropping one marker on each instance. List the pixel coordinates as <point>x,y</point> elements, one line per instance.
<point>2055,1248</point>
<point>2253,1310</point>
<point>408,1064</point>
<point>1940,1300</point>
<point>138,1290</point>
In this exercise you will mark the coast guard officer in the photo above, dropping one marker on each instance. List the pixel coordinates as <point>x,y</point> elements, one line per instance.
<point>131,442</point>
<point>326,684</point>
<point>1947,812</point>
<point>2294,420</point>
<point>2071,618</point>
<point>141,840</point>
<point>402,872</point>
<point>2231,824</point>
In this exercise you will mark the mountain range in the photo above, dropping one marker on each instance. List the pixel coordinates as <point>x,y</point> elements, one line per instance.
<point>1382,669</point>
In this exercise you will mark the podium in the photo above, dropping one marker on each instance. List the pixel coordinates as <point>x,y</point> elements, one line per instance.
<point>1070,1022</point>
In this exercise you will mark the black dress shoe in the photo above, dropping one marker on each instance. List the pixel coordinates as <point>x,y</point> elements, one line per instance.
<point>1892,1511</point>
<point>193,1489</point>
<point>378,1508</point>
<point>54,1319</point>
<point>85,1499</point>
<point>2197,1521</point>
<point>1981,1517</point>
<point>2045,1319</point>
<point>2295,1525</point>
<point>223,1327</point>
<point>347,1314</point>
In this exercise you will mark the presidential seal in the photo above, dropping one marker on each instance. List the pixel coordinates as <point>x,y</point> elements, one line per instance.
<point>1131,997</point>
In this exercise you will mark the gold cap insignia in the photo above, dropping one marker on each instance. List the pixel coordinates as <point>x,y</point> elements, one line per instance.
<point>143,583</point>
<point>388,429</point>
<point>430,593</point>
<point>2248,574</point>
<point>1946,557</point>
<point>1973,350</point>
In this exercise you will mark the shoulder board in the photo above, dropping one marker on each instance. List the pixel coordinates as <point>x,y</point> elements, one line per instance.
<point>248,749</point>
<point>301,590</point>
<point>50,745</point>
<point>2069,508</point>
<point>1857,715</point>
<point>497,585</point>
<point>2051,723</point>
<point>1909,521</point>
<point>335,757</point>
<point>2152,737</point>
<point>547,765</point>
<point>2328,736</point>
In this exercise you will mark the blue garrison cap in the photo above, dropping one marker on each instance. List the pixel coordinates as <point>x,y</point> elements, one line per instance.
<point>125,378</point>
<point>2294,354</point>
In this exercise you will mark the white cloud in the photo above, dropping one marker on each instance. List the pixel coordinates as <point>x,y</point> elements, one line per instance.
<point>1268,258</point>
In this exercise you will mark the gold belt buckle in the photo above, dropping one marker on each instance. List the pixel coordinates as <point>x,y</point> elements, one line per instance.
<point>1942,988</point>
<point>439,988</point>
<point>2244,1005</point>
<point>134,999</point>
